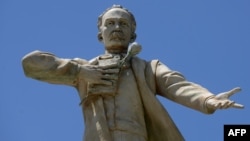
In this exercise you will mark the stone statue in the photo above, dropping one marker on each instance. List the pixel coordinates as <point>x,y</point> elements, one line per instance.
<point>117,89</point>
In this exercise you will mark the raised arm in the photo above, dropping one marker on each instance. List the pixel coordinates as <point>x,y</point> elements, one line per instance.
<point>49,68</point>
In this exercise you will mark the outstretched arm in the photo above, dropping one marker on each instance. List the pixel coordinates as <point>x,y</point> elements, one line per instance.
<point>172,85</point>
<point>49,68</point>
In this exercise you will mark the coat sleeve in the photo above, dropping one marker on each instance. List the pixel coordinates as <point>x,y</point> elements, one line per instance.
<point>47,67</point>
<point>172,85</point>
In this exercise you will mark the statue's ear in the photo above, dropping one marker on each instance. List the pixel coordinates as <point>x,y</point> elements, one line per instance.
<point>99,36</point>
<point>133,37</point>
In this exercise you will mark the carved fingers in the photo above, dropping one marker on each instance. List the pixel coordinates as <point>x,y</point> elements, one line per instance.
<point>215,104</point>
<point>226,95</point>
<point>222,104</point>
<point>98,75</point>
<point>222,101</point>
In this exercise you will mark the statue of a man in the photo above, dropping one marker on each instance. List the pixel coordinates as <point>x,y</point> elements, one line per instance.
<point>118,101</point>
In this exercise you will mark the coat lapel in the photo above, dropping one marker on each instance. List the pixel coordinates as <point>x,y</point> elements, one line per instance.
<point>160,126</point>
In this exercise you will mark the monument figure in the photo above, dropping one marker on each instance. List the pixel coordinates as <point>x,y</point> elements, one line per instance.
<point>118,90</point>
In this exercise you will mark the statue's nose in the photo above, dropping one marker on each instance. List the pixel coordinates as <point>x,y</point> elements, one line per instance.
<point>117,26</point>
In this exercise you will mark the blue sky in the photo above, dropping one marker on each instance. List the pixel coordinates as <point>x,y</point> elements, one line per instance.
<point>207,41</point>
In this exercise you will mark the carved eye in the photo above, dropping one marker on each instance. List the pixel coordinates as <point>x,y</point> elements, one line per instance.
<point>122,23</point>
<point>110,23</point>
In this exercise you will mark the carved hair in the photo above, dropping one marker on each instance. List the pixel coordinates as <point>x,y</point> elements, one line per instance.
<point>99,22</point>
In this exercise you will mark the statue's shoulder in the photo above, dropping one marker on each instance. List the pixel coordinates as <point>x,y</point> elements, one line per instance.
<point>140,61</point>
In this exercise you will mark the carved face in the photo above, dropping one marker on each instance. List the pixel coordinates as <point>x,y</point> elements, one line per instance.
<point>116,29</point>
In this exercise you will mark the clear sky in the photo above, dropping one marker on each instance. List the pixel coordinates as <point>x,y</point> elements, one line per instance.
<point>207,41</point>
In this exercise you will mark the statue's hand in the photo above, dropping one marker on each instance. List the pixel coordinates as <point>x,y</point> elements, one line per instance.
<point>98,74</point>
<point>222,101</point>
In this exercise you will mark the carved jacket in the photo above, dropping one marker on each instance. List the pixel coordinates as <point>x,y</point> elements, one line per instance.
<point>152,78</point>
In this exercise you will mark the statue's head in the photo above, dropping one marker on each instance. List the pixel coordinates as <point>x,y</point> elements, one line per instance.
<point>116,28</point>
